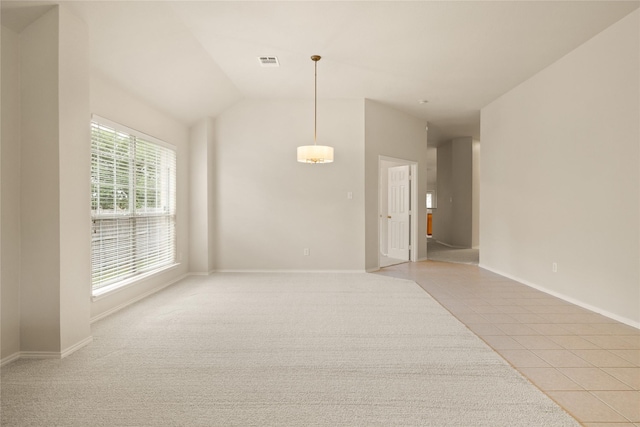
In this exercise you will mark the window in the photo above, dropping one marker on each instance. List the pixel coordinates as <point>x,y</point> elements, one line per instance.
<point>431,200</point>
<point>133,205</point>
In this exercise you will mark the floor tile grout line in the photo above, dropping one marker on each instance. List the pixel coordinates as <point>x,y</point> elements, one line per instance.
<point>576,322</point>
<point>614,409</point>
<point>505,360</point>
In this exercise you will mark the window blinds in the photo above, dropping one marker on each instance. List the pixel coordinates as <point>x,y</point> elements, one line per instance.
<point>133,204</point>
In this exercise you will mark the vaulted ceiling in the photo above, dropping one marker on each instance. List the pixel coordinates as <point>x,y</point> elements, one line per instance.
<point>196,59</point>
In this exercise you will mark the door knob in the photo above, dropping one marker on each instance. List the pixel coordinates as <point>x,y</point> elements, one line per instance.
<point>389,216</point>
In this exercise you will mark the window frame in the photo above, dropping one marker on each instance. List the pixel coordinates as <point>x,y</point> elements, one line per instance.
<point>164,193</point>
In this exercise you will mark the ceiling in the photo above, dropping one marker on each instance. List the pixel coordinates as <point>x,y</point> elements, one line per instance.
<point>196,59</point>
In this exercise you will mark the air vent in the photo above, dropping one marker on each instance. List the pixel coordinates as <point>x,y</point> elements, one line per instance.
<point>269,61</point>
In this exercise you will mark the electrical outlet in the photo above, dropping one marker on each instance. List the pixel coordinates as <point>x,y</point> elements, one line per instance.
<point>554,267</point>
<point>349,195</point>
<point>306,251</point>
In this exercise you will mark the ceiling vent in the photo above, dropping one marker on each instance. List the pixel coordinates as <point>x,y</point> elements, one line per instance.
<point>269,61</point>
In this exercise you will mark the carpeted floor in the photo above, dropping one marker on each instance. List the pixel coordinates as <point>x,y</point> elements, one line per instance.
<point>278,350</point>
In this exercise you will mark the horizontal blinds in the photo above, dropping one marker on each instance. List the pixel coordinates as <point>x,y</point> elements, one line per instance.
<point>133,205</point>
<point>124,247</point>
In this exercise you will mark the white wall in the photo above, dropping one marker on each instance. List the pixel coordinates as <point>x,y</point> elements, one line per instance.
<point>475,195</point>
<point>10,193</point>
<point>113,103</point>
<point>47,198</point>
<point>456,218</point>
<point>461,232</point>
<point>40,191</point>
<point>443,215</point>
<point>202,197</point>
<point>560,176</point>
<point>432,168</point>
<point>75,188</point>
<point>392,133</point>
<point>212,195</point>
<point>434,137</point>
<point>48,96</point>
<point>269,206</point>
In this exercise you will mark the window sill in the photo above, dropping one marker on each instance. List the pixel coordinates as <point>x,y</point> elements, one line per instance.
<point>125,284</point>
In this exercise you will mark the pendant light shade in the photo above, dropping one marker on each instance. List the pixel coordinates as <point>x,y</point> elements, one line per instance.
<point>315,153</point>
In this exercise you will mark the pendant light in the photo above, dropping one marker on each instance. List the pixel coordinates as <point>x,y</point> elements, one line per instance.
<point>315,153</point>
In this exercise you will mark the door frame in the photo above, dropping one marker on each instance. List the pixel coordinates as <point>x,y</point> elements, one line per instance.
<point>413,197</point>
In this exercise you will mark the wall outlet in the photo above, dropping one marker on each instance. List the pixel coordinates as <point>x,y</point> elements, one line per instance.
<point>554,267</point>
<point>306,251</point>
<point>349,195</point>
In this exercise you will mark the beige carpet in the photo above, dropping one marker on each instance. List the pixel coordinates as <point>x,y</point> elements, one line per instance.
<point>278,350</point>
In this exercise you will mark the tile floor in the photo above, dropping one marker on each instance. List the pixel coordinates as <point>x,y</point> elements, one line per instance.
<point>587,363</point>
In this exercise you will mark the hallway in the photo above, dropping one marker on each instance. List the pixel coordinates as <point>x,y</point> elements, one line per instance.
<point>436,251</point>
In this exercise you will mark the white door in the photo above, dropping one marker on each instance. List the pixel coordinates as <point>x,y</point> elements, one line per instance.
<point>398,213</point>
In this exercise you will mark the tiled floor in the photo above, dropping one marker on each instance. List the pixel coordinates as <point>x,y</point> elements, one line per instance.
<point>588,363</point>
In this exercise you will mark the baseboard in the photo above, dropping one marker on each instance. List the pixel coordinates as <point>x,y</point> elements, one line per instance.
<point>136,299</point>
<point>422,259</point>
<point>40,355</point>
<point>372,270</point>
<point>201,273</point>
<point>566,298</point>
<point>46,354</point>
<point>450,246</point>
<point>290,271</point>
<point>77,346</point>
<point>9,359</point>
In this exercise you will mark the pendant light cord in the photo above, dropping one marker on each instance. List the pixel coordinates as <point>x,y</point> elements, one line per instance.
<point>315,98</point>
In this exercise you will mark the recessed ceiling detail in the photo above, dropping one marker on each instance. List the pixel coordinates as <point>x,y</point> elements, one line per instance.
<point>269,61</point>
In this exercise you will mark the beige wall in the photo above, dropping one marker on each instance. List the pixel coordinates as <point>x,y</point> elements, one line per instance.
<point>10,193</point>
<point>560,176</point>
<point>75,188</point>
<point>270,207</point>
<point>48,95</point>
<point>455,221</point>
<point>559,181</point>
<point>113,103</point>
<point>45,201</point>
<point>202,254</point>
<point>255,210</point>
<point>40,191</point>
<point>475,194</point>
<point>392,133</point>
<point>432,168</point>
<point>443,214</point>
<point>462,230</point>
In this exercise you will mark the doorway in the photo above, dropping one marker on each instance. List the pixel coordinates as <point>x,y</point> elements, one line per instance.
<point>397,197</point>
